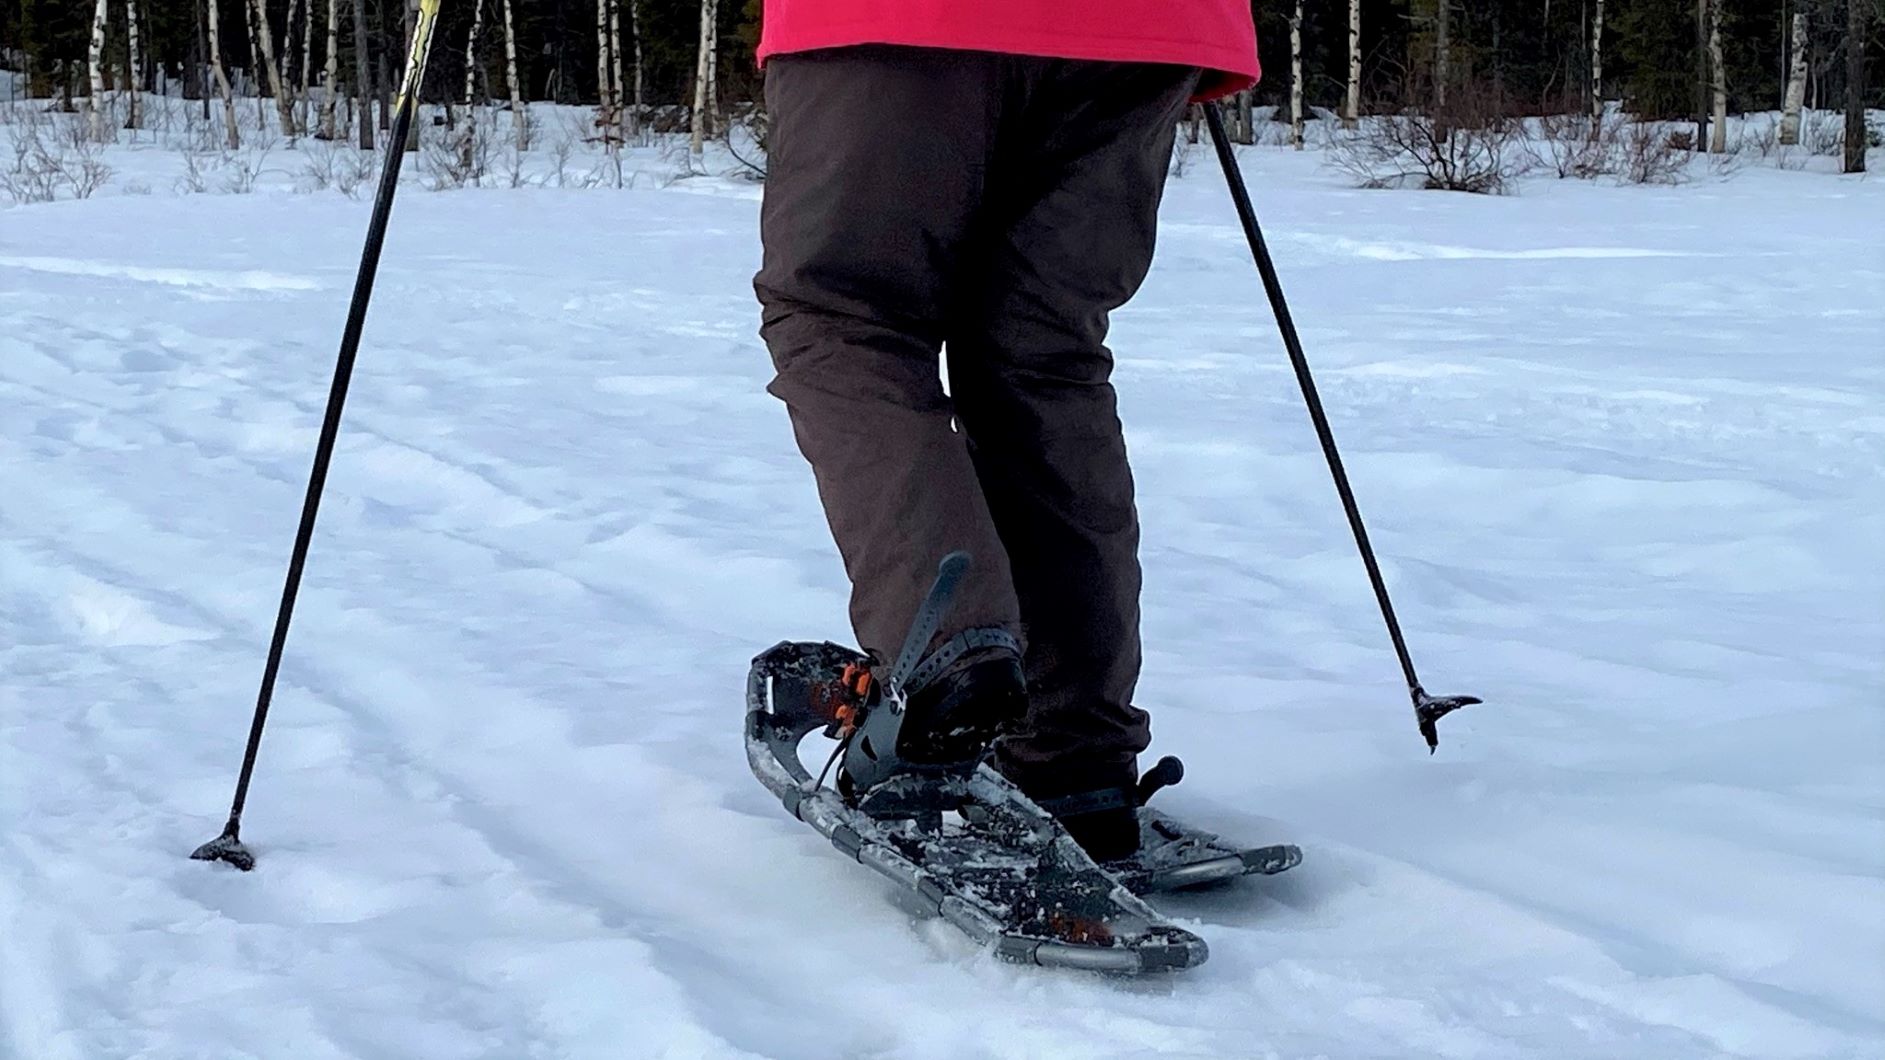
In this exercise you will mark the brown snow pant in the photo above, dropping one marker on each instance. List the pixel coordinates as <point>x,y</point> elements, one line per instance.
<point>996,207</point>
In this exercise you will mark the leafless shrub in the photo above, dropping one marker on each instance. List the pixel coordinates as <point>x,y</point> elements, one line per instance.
<point>1742,149</point>
<point>30,177</point>
<point>1578,146</point>
<point>1409,150</point>
<point>1758,138</point>
<point>354,169</point>
<point>511,165</point>
<point>86,171</point>
<point>1652,155</point>
<point>683,165</point>
<point>1469,143</point>
<point>460,158</point>
<point>608,172</point>
<point>194,180</point>
<point>318,166</point>
<point>241,169</point>
<point>51,157</point>
<point>746,140</point>
<point>1823,132</point>
<point>561,147</point>
<point>1790,158</point>
<point>1273,134</point>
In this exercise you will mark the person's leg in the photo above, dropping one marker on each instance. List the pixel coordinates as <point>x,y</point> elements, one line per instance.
<point>1072,208</point>
<point>875,167</point>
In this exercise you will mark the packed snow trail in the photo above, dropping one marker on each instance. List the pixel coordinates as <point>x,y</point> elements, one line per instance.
<point>1620,449</point>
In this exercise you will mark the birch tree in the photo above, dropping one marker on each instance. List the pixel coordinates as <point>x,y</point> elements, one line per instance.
<point>1351,111</point>
<point>1295,76</point>
<point>519,123</point>
<point>232,137</point>
<point>330,72</point>
<point>134,65</point>
<point>704,73</point>
<point>1597,62</point>
<point>305,74</point>
<point>471,59</point>
<point>1796,81</point>
<point>605,85</point>
<point>95,103</point>
<point>1717,83</point>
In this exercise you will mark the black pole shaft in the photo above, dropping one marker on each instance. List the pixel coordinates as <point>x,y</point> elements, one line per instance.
<point>1273,286</point>
<point>324,449</point>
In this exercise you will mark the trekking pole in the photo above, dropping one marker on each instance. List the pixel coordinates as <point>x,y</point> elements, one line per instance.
<point>228,846</point>
<point>1428,710</point>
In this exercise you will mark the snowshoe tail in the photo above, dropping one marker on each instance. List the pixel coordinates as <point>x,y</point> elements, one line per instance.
<point>1174,856</point>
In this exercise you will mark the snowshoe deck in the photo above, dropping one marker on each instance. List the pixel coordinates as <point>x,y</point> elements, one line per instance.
<point>1014,880</point>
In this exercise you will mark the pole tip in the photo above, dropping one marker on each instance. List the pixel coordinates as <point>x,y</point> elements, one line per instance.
<point>225,847</point>
<point>1428,710</point>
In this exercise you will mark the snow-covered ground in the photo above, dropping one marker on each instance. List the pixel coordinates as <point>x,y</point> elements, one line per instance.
<point>1621,448</point>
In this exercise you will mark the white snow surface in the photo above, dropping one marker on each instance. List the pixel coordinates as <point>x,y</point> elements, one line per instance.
<point>1621,450</point>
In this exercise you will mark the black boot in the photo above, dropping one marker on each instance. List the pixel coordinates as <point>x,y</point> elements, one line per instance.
<point>1098,803</point>
<point>956,716</point>
<point>946,725</point>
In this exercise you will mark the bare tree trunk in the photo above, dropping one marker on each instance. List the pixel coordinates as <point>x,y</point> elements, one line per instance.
<point>196,81</point>
<point>304,76</point>
<point>134,63</point>
<point>264,37</point>
<point>1796,82</point>
<point>254,69</point>
<point>713,72</point>
<point>623,119</point>
<point>703,73</point>
<point>1597,63</point>
<point>1295,76</point>
<point>1351,113</point>
<point>1717,82</point>
<point>471,52</point>
<point>231,136</point>
<point>1442,51</point>
<point>1855,86</point>
<point>634,25</point>
<point>331,71</point>
<point>95,103</point>
<point>362,84</point>
<point>519,123</point>
<point>605,94</point>
<point>1701,74</point>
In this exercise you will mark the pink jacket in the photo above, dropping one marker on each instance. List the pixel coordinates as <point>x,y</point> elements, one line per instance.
<point>1218,35</point>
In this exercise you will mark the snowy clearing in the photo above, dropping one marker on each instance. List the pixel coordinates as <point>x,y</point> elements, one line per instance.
<point>1623,450</point>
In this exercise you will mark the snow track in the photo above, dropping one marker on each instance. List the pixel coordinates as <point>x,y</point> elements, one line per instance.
<point>1621,450</point>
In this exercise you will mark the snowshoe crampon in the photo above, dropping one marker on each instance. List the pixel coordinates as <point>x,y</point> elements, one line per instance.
<point>1014,880</point>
